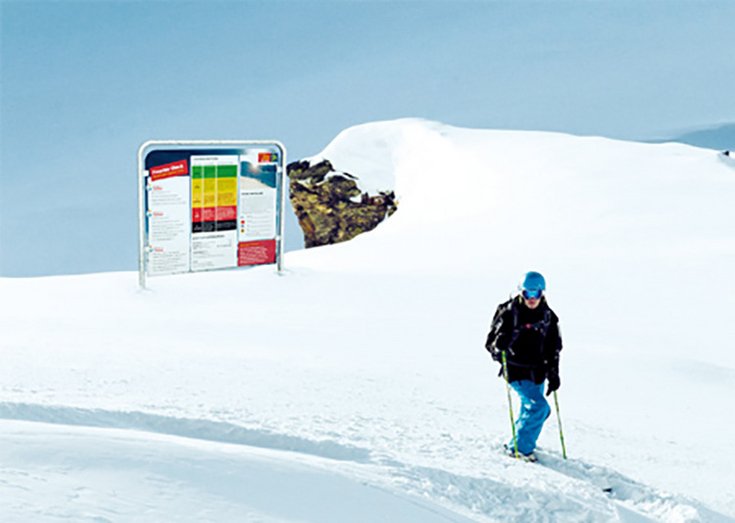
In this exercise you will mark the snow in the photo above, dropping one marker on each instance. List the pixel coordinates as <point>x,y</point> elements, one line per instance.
<point>59,472</point>
<point>366,151</point>
<point>356,384</point>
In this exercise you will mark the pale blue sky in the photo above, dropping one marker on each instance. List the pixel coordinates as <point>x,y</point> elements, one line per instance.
<point>85,83</point>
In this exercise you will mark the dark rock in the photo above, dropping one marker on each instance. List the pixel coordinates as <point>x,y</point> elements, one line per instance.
<point>330,206</point>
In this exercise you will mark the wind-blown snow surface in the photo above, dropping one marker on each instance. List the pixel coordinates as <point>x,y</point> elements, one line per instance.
<point>357,382</point>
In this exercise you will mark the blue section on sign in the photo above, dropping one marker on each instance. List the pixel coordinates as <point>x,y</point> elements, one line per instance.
<point>265,174</point>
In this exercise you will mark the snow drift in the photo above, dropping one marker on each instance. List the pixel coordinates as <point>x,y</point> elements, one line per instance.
<point>366,358</point>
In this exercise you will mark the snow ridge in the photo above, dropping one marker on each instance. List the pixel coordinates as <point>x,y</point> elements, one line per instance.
<point>208,430</point>
<point>599,494</point>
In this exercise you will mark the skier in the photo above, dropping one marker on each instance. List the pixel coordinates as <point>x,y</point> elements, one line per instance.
<point>527,331</point>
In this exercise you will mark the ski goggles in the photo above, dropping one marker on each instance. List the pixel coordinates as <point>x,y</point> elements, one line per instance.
<point>532,294</point>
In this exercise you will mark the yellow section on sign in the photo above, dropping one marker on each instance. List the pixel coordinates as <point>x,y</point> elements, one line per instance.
<point>213,192</point>
<point>214,185</point>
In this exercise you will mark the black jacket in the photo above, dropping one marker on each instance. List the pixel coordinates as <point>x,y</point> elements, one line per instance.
<point>530,338</point>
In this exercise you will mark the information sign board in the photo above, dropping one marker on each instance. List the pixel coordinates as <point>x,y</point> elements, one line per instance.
<point>210,205</point>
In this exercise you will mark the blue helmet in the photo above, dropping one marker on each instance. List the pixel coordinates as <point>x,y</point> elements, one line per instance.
<point>532,285</point>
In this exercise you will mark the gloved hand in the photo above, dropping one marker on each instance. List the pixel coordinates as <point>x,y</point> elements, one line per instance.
<point>498,355</point>
<point>554,382</point>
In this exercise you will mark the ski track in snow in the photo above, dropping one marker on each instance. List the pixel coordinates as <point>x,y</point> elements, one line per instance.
<point>599,494</point>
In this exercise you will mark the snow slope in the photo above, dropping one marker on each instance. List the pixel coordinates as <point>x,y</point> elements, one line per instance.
<point>361,374</point>
<point>59,473</point>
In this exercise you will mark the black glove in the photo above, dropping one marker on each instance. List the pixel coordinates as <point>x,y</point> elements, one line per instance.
<point>498,354</point>
<point>554,382</point>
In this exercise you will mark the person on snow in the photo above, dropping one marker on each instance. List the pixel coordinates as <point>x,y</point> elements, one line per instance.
<point>527,331</point>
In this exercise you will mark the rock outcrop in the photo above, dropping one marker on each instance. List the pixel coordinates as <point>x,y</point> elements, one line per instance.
<point>330,206</point>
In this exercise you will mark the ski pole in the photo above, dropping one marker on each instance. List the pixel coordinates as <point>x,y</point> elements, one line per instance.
<point>510,405</point>
<point>561,432</point>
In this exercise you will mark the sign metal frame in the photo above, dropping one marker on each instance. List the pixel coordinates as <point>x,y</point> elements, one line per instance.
<point>152,145</point>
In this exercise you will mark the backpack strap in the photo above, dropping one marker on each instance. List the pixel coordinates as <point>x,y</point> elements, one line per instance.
<point>516,328</point>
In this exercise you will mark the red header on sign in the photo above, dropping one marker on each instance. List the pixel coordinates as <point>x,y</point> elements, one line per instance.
<point>180,168</point>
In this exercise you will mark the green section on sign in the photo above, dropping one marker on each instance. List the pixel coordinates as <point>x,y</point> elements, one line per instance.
<point>214,171</point>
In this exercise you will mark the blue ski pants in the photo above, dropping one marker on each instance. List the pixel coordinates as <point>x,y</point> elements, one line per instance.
<point>534,411</point>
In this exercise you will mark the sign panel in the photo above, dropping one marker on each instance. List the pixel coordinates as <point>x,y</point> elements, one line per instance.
<point>210,205</point>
